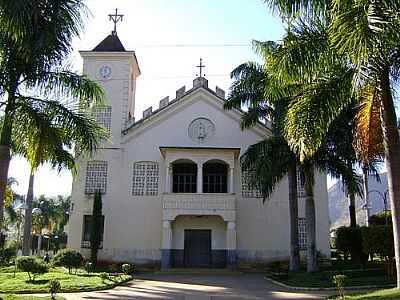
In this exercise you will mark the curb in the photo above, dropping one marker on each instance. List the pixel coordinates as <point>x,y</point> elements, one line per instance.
<point>348,288</point>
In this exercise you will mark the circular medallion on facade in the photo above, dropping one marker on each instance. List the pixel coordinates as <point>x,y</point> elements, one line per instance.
<point>201,130</point>
<point>105,72</point>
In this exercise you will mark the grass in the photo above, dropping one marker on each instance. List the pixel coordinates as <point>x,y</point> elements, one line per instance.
<point>391,294</point>
<point>373,275</point>
<point>81,281</point>
<point>21,297</point>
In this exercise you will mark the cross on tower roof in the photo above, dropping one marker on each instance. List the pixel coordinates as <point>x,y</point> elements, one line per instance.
<point>201,66</point>
<point>115,18</point>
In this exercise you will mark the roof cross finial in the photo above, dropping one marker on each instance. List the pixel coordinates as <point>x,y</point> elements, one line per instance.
<point>115,18</point>
<point>201,66</point>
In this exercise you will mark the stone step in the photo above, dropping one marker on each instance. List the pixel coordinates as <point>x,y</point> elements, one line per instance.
<point>199,271</point>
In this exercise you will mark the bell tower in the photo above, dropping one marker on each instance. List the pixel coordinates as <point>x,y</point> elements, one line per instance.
<point>116,70</point>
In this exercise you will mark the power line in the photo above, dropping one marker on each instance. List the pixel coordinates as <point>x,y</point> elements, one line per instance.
<point>192,45</point>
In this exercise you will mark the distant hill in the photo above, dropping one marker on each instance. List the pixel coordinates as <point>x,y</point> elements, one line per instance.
<point>339,204</point>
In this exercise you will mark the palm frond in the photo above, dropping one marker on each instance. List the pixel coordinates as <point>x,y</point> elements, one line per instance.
<point>269,161</point>
<point>294,8</point>
<point>79,125</point>
<point>314,109</point>
<point>368,135</point>
<point>68,85</point>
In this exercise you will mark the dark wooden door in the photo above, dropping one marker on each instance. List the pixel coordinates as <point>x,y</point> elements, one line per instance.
<point>197,253</point>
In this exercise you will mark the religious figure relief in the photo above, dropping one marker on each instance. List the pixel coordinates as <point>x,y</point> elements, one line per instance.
<point>201,130</point>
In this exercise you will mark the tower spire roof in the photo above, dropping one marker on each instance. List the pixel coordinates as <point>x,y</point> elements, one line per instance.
<point>112,43</point>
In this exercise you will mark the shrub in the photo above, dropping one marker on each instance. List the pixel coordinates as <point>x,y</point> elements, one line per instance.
<point>32,266</point>
<point>54,288</point>
<point>339,280</point>
<point>69,259</point>
<point>128,269</point>
<point>104,276</point>
<point>113,268</point>
<point>381,219</point>
<point>7,254</point>
<point>349,241</point>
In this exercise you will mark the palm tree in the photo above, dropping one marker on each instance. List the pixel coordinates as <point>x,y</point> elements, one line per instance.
<point>248,88</point>
<point>272,159</point>
<point>42,140</point>
<point>35,38</point>
<point>364,35</point>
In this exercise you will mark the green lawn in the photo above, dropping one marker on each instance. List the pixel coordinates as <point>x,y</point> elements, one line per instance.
<point>324,279</point>
<point>21,297</point>
<point>392,294</point>
<point>69,282</point>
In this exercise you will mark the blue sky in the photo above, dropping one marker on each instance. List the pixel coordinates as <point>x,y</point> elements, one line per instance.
<point>169,37</point>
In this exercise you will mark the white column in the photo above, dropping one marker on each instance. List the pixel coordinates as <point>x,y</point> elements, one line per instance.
<point>199,178</point>
<point>231,244</point>
<point>168,175</point>
<point>231,179</point>
<point>231,235</point>
<point>166,235</point>
<point>166,245</point>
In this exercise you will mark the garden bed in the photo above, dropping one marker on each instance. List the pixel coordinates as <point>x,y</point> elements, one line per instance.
<point>323,279</point>
<point>391,294</point>
<point>75,282</point>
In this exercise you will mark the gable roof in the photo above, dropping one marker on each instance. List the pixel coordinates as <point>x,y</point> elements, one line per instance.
<point>110,44</point>
<point>181,99</point>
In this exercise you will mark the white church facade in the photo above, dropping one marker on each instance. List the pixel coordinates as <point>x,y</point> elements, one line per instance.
<point>172,188</point>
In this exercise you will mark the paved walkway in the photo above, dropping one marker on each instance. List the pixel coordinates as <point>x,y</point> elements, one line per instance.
<point>198,287</point>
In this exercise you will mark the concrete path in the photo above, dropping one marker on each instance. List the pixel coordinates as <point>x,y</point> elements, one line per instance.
<point>198,287</point>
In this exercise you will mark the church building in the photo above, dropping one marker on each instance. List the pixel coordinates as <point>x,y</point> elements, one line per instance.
<point>172,188</point>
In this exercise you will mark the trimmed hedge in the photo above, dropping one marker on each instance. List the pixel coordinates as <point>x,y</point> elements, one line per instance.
<point>31,265</point>
<point>69,259</point>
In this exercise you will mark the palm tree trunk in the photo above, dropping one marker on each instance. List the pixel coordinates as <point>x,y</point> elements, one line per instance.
<point>392,148</point>
<point>366,195</point>
<point>293,219</point>
<point>5,153</point>
<point>27,241</point>
<point>352,209</point>
<point>310,218</point>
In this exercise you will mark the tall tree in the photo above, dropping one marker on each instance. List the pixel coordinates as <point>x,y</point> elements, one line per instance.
<point>96,228</point>
<point>42,140</point>
<point>365,35</point>
<point>249,89</point>
<point>35,38</point>
<point>272,159</point>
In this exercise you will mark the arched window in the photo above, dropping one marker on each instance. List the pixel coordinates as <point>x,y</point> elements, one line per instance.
<point>184,177</point>
<point>215,177</point>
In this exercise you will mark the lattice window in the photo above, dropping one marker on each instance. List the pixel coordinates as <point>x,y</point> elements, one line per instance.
<point>301,193</point>
<point>248,189</point>
<point>87,227</point>
<point>302,233</point>
<point>145,179</point>
<point>96,177</point>
<point>102,114</point>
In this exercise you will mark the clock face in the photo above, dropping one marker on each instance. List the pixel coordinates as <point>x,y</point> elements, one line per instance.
<point>105,72</point>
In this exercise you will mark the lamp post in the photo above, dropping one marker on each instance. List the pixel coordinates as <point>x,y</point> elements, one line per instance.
<point>37,212</point>
<point>20,207</point>
<point>384,198</point>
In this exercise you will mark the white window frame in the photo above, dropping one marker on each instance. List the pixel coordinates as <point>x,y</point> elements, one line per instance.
<point>145,178</point>
<point>302,227</point>
<point>102,114</point>
<point>96,179</point>
<point>249,191</point>
<point>301,192</point>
